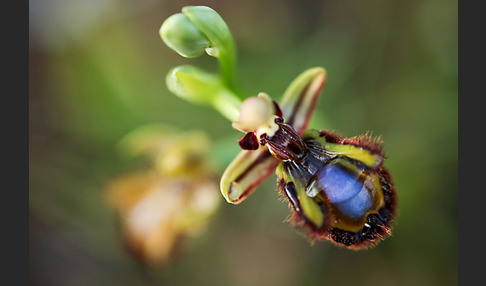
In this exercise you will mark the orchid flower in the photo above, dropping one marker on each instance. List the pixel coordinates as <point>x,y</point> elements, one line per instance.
<point>337,188</point>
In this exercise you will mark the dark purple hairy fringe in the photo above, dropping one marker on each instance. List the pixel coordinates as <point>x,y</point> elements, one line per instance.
<point>374,145</point>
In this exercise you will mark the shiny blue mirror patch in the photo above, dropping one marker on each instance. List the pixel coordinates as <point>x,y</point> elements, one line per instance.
<point>340,184</point>
<point>357,206</point>
<point>344,189</point>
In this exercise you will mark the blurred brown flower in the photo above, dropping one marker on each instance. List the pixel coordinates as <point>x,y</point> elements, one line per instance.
<point>172,199</point>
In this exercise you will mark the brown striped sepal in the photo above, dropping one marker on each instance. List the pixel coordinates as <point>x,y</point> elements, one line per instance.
<point>251,167</point>
<point>245,173</point>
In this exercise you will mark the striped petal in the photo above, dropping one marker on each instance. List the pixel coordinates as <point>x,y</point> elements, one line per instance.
<point>300,98</point>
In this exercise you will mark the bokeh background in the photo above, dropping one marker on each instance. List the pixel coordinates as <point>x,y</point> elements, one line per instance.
<point>97,71</point>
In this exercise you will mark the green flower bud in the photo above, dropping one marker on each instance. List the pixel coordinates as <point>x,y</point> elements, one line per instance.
<point>181,35</point>
<point>199,86</point>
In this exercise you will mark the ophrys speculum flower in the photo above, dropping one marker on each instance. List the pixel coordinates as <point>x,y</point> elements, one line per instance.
<point>337,188</point>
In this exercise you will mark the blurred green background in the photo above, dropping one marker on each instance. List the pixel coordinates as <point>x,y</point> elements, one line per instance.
<point>97,71</point>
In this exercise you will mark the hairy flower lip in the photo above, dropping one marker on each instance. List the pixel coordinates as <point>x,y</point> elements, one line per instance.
<point>251,167</point>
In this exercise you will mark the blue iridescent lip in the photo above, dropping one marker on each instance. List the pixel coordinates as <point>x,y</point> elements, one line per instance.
<point>357,206</point>
<point>344,189</point>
